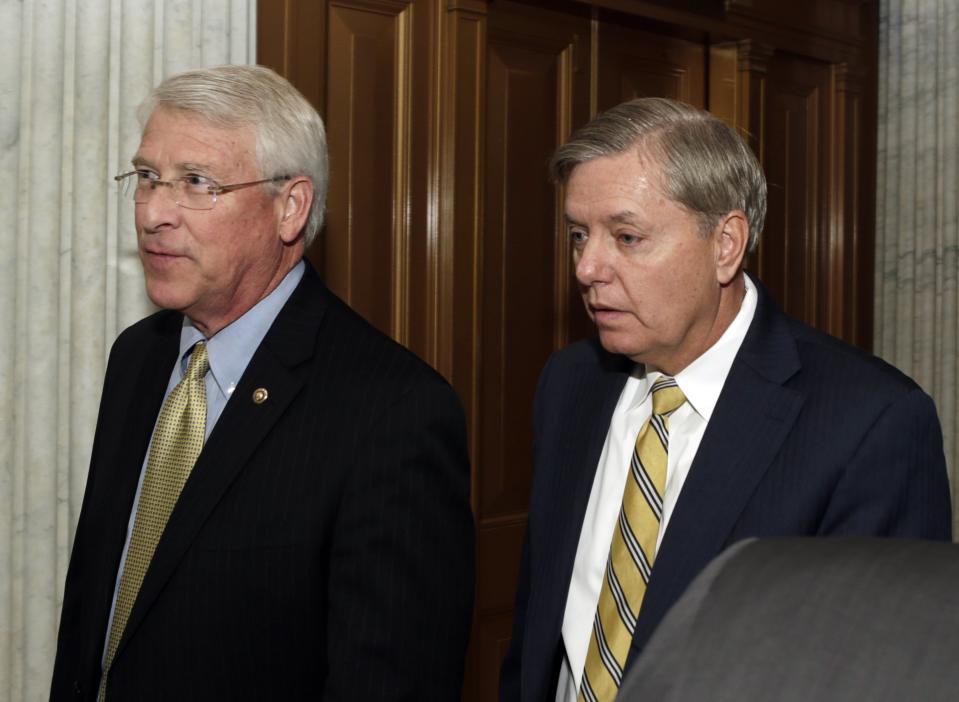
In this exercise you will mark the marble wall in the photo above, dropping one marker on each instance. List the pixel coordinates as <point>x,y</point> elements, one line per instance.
<point>917,224</point>
<point>71,76</point>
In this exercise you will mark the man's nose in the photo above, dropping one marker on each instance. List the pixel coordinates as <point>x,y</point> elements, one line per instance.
<point>158,209</point>
<point>592,264</point>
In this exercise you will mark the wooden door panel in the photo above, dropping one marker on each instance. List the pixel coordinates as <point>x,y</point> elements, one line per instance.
<point>796,134</point>
<point>635,62</point>
<point>364,247</point>
<point>536,91</point>
<point>850,254</point>
<point>519,263</point>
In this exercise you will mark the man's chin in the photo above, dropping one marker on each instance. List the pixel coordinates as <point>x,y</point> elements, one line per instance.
<point>165,296</point>
<point>614,342</point>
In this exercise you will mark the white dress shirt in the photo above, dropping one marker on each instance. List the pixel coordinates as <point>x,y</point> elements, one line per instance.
<point>701,382</point>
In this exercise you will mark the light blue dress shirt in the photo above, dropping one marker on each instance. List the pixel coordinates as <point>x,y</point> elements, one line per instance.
<point>229,352</point>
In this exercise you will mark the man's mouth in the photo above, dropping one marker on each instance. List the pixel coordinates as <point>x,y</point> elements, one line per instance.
<point>601,312</point>
<point>160,252</point>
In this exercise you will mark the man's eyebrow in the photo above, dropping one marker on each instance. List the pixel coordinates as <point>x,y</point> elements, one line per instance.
<point>625,217</point>
<point>191,166</point>
<point>185,166</point>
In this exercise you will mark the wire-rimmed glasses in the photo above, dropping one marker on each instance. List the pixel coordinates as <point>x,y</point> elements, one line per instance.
<point>194,192</point>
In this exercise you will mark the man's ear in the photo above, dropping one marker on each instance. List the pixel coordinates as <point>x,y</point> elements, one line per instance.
<point>295,200</point>
<point>733,239</point>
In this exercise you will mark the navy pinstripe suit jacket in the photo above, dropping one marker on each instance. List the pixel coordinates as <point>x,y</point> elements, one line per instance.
<point>809,437</point>
<point>322,547</point>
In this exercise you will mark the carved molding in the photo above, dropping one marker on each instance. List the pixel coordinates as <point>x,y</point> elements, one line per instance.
<point>753,56</point>
<point>402,163</point>
<point>479,7</point>
<point>848,78</point>
<point>390,7</point>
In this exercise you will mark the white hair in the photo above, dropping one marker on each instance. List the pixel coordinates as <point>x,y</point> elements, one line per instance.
<point>706,166</point>
<point>290,138</point>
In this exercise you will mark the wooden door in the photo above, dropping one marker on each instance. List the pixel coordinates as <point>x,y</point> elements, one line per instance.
<point>536,89</point>
<point>444,231</point>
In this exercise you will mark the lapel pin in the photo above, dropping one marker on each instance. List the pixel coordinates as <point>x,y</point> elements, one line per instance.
<point>260,395</point>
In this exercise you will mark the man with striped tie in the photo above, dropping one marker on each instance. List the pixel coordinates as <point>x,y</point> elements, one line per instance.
<point>700,415</point>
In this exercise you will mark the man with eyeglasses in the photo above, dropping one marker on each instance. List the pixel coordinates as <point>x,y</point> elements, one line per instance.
<point>273,482</point>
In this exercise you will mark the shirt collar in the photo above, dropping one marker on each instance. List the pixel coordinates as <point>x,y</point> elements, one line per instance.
<point>702,380</point>
<point>230,349</point>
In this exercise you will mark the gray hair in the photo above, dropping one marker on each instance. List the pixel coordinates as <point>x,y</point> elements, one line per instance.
<point>290,138</point>
<point>706,166</point>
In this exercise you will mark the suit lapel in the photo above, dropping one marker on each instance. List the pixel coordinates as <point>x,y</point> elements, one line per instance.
<point>132,418</point>
<point>590,397</point>
<point>135,414</point>
<point>572,481</point>
<point>277,365</point>
<point>754,415</point>
<point>580,471</point>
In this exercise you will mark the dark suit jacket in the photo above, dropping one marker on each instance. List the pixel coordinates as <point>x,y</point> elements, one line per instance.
<point>792,620</point>
<point>809,437</point>
<point>322,547</point>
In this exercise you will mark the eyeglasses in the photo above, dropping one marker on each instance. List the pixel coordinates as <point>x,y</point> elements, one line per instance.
<point>194,192</point>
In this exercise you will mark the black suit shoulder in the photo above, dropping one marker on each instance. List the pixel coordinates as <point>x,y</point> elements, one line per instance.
<point>371,357</point>
<point>858,390</point>
<point>829,357</point>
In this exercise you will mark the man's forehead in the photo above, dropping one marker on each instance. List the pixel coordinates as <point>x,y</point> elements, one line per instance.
<point>616,189</point>
<point>190,139</point>
<point>610,184</point>
<point>610,177</point>
<point>637,160</point>
<point>194,117</point>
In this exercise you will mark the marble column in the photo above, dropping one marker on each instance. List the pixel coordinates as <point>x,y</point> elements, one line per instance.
<point>917,213</point>
<point>71,76</point>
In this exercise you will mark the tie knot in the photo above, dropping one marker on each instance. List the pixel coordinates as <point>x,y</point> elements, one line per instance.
<point>667,397</point>
<point>199,363</point>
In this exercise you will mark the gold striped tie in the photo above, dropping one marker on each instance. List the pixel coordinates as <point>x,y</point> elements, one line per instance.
<point>177,441</point>
<point>631,551</point>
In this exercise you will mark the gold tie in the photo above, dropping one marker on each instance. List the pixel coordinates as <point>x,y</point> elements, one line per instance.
<point>177,441</point>
<point>631,551</point>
